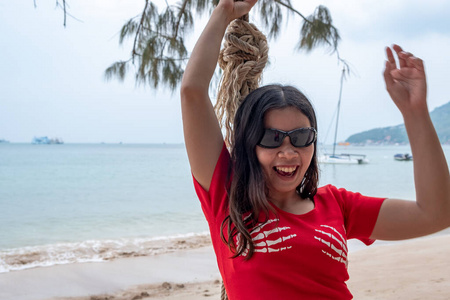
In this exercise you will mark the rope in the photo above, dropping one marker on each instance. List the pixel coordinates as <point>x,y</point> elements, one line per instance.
<point>242,59</point>
<point>223,293</point>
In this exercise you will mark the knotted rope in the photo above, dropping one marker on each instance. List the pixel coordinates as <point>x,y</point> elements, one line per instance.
<point>242,59</point>
<point>223,293</point>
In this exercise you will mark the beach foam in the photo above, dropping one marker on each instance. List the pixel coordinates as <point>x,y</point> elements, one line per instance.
<point>97,250</point>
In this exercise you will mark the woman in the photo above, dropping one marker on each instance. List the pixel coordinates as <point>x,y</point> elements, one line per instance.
<point>275,233</point>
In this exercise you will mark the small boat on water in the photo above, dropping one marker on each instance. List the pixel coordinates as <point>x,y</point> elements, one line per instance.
<point>46,141</point>
<point>356,159</point>
<point>403,157</point>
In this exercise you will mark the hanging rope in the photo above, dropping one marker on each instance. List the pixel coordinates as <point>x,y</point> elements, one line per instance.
<point>242,59</point>
<point>223,293</point>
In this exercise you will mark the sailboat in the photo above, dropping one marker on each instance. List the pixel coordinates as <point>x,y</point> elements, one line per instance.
<point>341,158</point>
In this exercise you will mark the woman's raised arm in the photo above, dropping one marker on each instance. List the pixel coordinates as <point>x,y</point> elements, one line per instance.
<point>202,134</point>
<point>430,212</point>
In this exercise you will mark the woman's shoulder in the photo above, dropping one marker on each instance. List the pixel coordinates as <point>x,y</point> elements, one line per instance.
<point>330,192</point>
<point>328,189</point>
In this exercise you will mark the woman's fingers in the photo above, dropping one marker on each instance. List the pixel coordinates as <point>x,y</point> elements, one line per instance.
<point>239,8</point>
<point>401,60</point>
<point>405,59</point>
<point>416,63</point>
<point>390,56</point>
<point>387,75</point>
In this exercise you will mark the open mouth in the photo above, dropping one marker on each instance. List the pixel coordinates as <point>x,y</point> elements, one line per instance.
<point>286,171</point>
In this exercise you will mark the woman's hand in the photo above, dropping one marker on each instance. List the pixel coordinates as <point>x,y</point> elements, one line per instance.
<point>236,9</point>
<point>399,219</point>
<point>406,83</point>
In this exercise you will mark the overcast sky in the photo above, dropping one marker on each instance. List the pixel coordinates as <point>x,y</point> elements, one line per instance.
<point>52,81</point>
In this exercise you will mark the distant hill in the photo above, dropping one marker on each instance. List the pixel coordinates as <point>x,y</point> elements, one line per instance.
<point>397,134</point>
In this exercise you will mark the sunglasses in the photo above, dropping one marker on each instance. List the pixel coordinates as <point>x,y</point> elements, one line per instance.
<point>300,137</point>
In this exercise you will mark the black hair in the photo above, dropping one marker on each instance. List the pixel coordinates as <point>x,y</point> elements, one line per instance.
<point>247,192</point>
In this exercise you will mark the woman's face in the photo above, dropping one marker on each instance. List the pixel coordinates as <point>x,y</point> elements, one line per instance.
<point>284,167</point>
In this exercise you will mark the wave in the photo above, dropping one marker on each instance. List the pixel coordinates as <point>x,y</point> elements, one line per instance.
<point>97,250</point>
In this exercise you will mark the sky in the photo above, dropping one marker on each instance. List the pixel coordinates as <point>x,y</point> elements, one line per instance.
<point>52,77</point>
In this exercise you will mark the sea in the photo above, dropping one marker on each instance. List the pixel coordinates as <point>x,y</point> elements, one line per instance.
<point>73,203</point>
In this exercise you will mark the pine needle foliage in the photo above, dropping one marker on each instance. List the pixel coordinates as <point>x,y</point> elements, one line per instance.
<point>318,30</point>
<point>159,55</point>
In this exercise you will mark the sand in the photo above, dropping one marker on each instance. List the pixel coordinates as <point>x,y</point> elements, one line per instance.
<point>416,269</point>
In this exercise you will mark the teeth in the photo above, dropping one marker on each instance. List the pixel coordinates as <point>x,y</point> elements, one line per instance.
<point>286,169</point>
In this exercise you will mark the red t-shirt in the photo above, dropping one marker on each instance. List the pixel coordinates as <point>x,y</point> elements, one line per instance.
<point>297,256</point>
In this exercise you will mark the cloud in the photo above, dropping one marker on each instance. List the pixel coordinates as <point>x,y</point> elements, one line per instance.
<point>365,20</point>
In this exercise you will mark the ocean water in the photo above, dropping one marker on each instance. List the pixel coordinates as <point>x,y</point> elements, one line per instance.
<point>86,202</point>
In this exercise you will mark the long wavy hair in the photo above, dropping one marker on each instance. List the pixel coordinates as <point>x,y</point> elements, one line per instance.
<point>248,191</point>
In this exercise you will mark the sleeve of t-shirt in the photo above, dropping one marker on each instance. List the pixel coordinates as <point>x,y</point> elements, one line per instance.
<point>215,201</point>
<point>360,213</point>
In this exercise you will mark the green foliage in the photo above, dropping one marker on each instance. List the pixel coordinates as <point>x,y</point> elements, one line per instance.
<point>318,30</point>
<point>118,69</point>
<point>271,17</point>
<point>159,54</point>
<point>397,134</point>
<point>386,135</point>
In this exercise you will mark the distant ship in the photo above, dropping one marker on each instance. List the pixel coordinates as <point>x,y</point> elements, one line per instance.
<point>341,158</point>
<point>403,157</point>
<point>46,141</point>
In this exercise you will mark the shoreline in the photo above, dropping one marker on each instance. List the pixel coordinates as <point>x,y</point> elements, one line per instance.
<point>411,269</point>
<point>29,257</point>
<point>86,279</point>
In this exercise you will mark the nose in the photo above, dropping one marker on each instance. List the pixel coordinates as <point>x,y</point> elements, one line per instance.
<point>287,150</point>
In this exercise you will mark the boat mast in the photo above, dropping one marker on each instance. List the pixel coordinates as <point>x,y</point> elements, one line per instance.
<point>338,110</point>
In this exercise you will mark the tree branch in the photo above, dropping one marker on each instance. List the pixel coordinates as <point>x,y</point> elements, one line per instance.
<point>141,22</point>
<point>159,53</point>
<point>65,12</point>
<point>63,7</point>
<point>180,14</point>
<point>293,10</point>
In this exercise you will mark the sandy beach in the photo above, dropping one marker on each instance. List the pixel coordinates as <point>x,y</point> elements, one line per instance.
<point>415,269</point>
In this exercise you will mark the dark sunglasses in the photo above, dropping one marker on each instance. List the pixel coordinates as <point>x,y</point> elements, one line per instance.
<point>300,137</point>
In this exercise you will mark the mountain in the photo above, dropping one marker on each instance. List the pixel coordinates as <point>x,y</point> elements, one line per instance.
<point>397,134</point>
